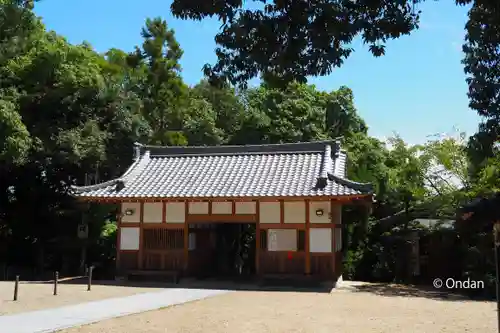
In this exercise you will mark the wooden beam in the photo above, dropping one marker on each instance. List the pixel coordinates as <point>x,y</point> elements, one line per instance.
<point>141,223</point>
<point>210,207</point>
<point>233,207</point>
<point>176,226</point>
<point>307,245</point>
<point>257,239</point>
<point>322,254</point>
<point>340,198</point>
<point>297,226</point>
<point>131,224</point>
<point>321,225</point>
<point>128,251</point>
<point>221,218</point>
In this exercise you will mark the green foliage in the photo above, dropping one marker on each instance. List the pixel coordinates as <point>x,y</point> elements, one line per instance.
<point>481,60</point>
<point>108,230</point>
<point>16,140</point>
<point>289,40</point>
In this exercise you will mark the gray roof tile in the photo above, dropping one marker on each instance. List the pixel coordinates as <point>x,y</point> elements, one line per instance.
<point>278,170</point>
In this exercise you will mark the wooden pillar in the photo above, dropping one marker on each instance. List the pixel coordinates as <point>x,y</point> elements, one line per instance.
<point>334,230</point>
<point>141,223</point>
<point>118,235</point>
<point>281,264</point>
<point>307,238</point>
<point>282,211</point>
<point>257,238</point>
<point>163,212</point>
<point>186,237</point>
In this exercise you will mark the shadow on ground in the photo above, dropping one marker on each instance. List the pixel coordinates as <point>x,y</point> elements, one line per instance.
<point>385,289</point>
<point>247,285</point>
<point>287,285</point>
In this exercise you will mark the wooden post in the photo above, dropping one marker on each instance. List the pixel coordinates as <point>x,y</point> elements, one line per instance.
<point>89,284</point>
<point>282,211</point>
<point>118,237</point>
<point>334,237</point>
<point>56,278</point>
<point>16,287</point>
<point>186,237</point>
<point>141,223</point>
<point>307,238</point>
<point>257,239</point>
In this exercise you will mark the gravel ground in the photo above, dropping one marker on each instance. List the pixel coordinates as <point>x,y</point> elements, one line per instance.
<point>356,309</point>
<point>40,296</point>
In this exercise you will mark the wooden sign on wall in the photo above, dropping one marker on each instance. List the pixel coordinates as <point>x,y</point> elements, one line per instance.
<point>83,231</point>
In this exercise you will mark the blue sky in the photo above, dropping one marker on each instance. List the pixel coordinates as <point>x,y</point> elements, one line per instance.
<point>417,89</point>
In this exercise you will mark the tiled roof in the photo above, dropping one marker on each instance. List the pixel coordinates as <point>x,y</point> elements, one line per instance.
<point>273,170</point>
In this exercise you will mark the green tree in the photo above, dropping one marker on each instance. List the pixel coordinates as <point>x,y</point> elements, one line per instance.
<point>63,117</point>
<point>229,111</point>
<point>159,84</point>
<point>482,58</point>
<point>290,40</point>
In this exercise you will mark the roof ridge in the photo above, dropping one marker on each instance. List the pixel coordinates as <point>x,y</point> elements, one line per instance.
<point>249,145</point>
<point>237,153</point>
<point>295,147</point>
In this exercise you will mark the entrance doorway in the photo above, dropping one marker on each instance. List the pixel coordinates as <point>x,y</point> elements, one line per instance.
<point>229,253</point>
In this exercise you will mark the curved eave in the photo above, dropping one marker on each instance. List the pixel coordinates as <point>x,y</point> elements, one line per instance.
<point>82,189</point>
<point>364,188</point>
<point>133,168</point>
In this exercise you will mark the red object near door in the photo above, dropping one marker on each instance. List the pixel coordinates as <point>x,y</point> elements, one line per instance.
<point>289,255</point>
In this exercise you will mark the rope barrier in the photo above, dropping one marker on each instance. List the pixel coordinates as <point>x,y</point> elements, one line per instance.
<point>52,281</point>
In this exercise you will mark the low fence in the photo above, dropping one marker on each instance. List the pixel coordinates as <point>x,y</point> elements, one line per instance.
<point>56,280</point>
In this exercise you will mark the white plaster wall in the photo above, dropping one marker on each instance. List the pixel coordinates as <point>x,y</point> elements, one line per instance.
<point>153,212</point>
<point>245,207</point>
<point>282,240</point>
<point>129,238</point>
<point>320,240</point>
<point>224,207</point>
<point>175,212</point>
<point>338,239</point>
<point>314,206</point>
<point>295,212</point>
<point>337,214</point>
<point>134,218</point>
<point>198,208</point>
<point>269,212</point>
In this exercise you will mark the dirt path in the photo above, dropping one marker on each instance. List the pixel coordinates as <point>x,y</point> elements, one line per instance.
<point>40,296</point>
<point>342,311</point>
